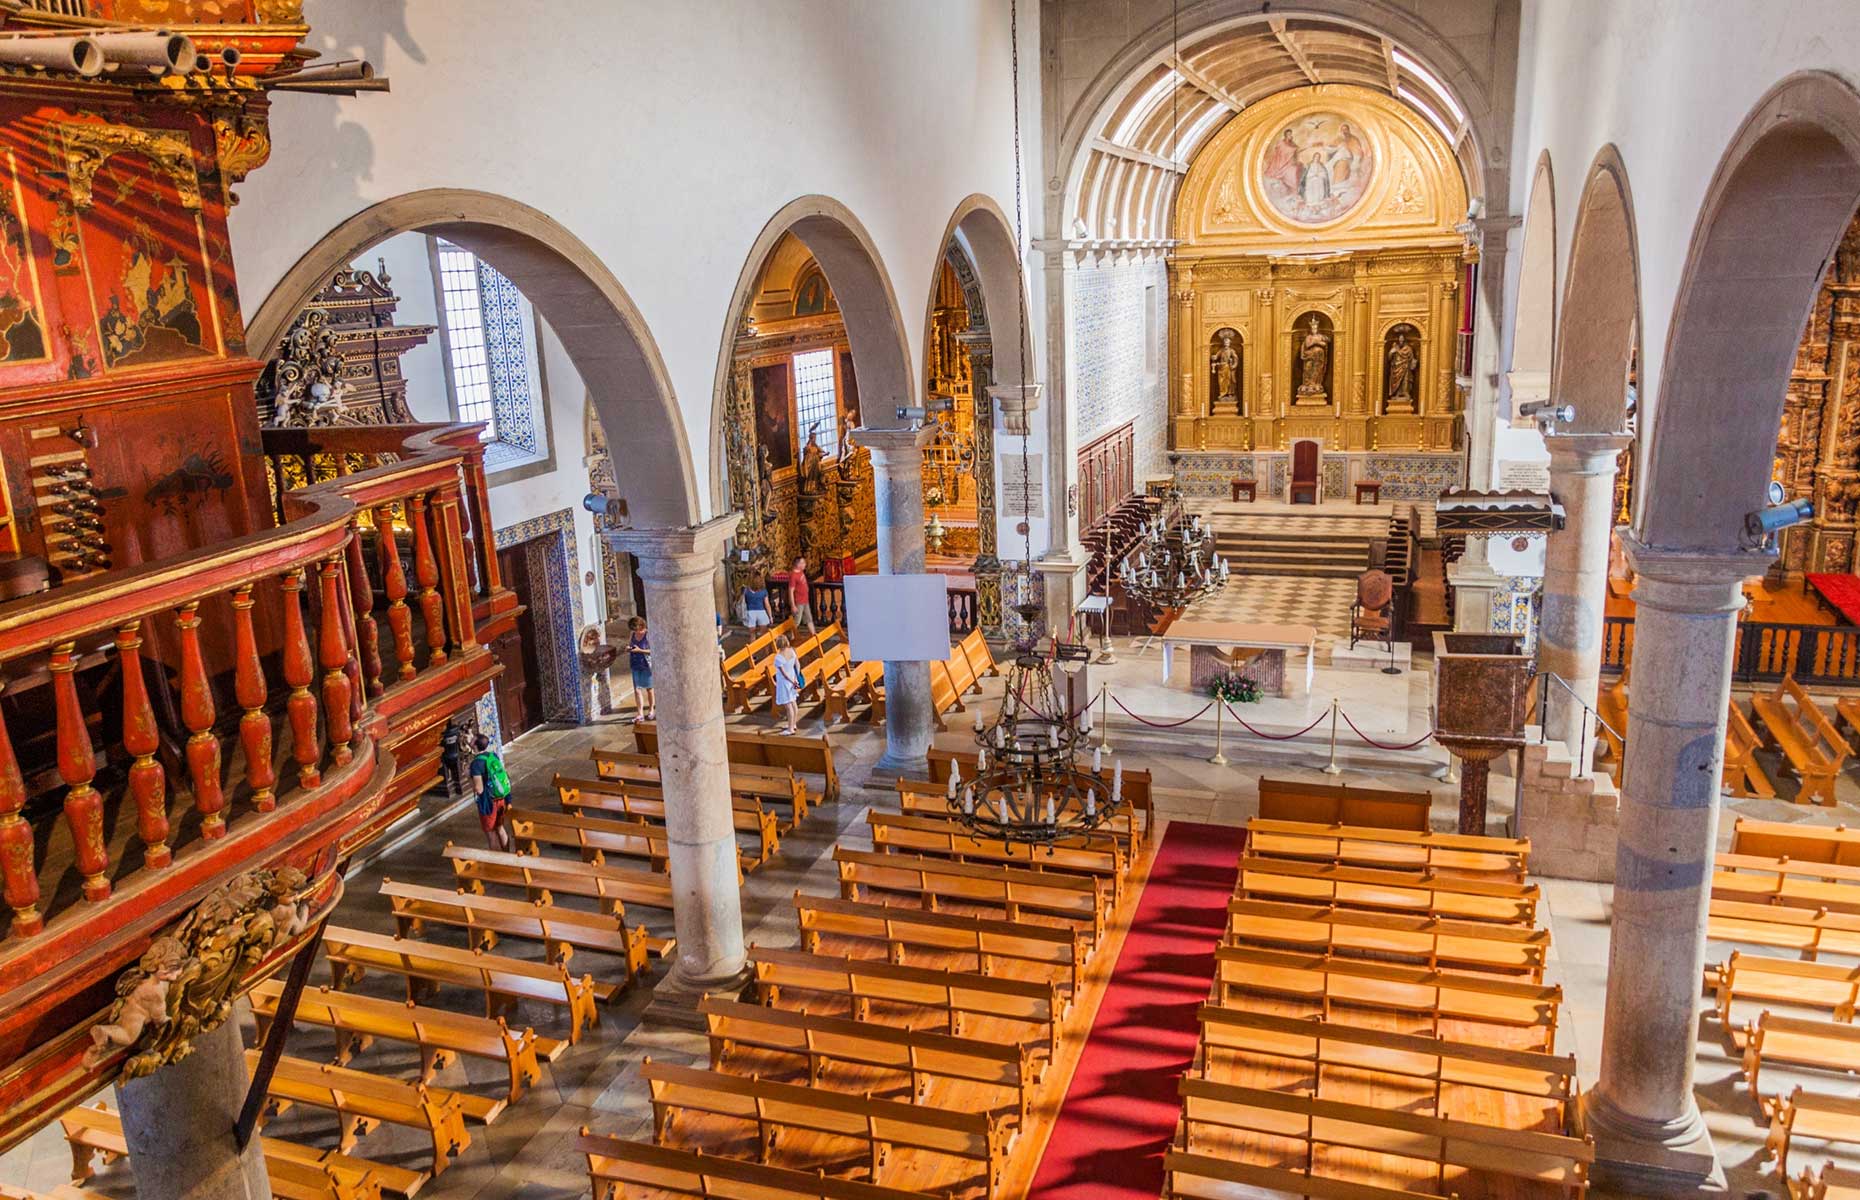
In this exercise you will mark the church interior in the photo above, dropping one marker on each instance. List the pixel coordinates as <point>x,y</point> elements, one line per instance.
<point>979,600</point>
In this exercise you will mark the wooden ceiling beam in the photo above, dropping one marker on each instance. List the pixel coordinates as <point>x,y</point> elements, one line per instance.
<point>1290,44</point>
<point>1388,65</point>
<point>1196,79</point>
<point>1106,146</point>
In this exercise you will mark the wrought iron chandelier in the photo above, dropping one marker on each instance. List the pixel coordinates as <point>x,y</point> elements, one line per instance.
<point>1175,563</point>
<point>1028,786</point>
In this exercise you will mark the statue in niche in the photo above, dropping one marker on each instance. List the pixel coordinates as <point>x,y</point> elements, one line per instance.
<point>765,485</point>
<point>1403,362</point>
<point>1224,373</point>
<point>813,473</point>
<point>1314,357</point>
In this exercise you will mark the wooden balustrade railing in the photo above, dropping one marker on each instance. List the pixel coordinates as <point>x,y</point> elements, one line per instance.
<point>197,673</point>
<point>1765,651</point>
<point>828,603</point>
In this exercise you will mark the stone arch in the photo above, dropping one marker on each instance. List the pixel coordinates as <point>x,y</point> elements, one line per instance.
<point>1600,310</point>
<point>985,235</point>
<point>868,306</point>
<point>1783,193</point>
<point>602,330</point>
<point>1533,323</point>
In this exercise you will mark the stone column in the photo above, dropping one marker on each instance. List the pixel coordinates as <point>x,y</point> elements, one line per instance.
<point>1582,479</point>
<point>179,1122</point>
<point>677,567</point>
<point>1649,1136</point>
<point>898,492</point>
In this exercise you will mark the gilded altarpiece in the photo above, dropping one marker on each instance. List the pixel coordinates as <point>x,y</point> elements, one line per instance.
<point>1316,282</point>
<point>1818,446</point>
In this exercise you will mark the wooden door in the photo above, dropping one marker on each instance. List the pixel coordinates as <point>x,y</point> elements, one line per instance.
<point>519,688</point>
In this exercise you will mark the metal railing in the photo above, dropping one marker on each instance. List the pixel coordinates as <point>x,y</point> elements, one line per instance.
<point>1544,680</point>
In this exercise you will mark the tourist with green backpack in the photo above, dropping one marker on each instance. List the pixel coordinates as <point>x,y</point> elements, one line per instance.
<point>493,794</point>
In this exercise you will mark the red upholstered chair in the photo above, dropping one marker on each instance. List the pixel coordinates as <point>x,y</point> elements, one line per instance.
<point>1305,473</point>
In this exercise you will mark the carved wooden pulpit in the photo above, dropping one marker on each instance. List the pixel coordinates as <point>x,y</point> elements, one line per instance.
<point>1481,686</point>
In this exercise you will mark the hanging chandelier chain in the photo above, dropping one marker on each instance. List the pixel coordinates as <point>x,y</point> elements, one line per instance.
<point>1020,290</point>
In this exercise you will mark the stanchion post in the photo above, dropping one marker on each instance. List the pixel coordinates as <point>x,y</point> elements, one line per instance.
<point>1219,759</point>
<point>1104,720</point>
<point>1331,767</point>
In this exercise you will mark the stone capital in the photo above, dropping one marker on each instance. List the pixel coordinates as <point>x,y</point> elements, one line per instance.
<point>1585,453</point>
<point>894,446</point>
<point>668,554</point>
<point>1692,580</point>
<point>1018,402</point>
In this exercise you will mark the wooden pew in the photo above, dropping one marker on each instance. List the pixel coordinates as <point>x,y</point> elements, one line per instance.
<point>66,1191</point>
<point>542,877</point>
<point>621,1169</point>
<point>1611,705</point>
<point>974,647</point>
<point>1325,981</point>
<point>352,953</point>
<point>440,1035</point>
<point>945,695</point>
<point>1814,749</point>
<point>822,1040</point>
<point>881,1124</point>
<point>1803,1113</point>
<point>816,655</point>
<point>1194,1175</point>
<point>1097,856</point>
<point>1801,843</point>
<point>1401,891</point>
<point>770,785</point>
<point>919,798</point>
<point>301,1170</point>
<point>560,929</point>
<point>1442,1142</point>
<point>646,802</point>
<point>806,754</point>
<point>900,929</point>
<point>1785,981</point>
<point>1786,882</point>
<point>1335,1044</point>
<point>1811,933</point>
<point>1082,900</point>
<point>1743,774</point>
<point>362,1101</point>
<point>1136,788</point>
<point>745,670</point>
<point>1391,849</point>
<point>862,683</point>
<point>1430,942</point>
<point>1831,1183</point>
<point>597,838</point>
<point>1799,1042</point>
<point>956,994</point>
<point>1338,804</point>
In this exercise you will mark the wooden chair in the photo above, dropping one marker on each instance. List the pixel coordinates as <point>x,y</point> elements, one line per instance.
<point>1392,937</point>
<point>1081,900</point>
<point>560,929</point>
<point>362,1102</point>
<point>541,877</point>
<point>1797,842</point>
<point>1800,1042</point>
<point>352,953</point>
<point>1391,849</point>
<point>1785,981</point>
<point>822,1040</point>
<point>440,1035</point>
<point>953,995</point>
<point>1339,804</point>
<point>1803,1113</point>
<point>646,802</point>
<point>1815,750</point>
<point>772,1107</point>
<point>1810,933</point>
<point>899,929</point>
<point>620,1169</point>
<point>1399,891</point>
<point>1372,617</point>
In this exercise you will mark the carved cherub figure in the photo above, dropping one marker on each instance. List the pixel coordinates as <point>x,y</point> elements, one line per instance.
<point>142,1000</point>
<point>289,911</point>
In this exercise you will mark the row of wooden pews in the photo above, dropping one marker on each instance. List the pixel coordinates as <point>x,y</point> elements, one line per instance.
<point>1378,1027</point>
<point>914,1023</point>
<point>1793,889</point>
<point>578,913</point>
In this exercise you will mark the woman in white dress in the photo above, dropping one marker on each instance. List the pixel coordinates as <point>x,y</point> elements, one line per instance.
<point>788,682</point>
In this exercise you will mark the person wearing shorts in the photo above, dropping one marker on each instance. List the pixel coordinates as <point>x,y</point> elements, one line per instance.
<point>493,809</point>
<point>798,593</point>
<point>756,604</point>
<point>639,660</point>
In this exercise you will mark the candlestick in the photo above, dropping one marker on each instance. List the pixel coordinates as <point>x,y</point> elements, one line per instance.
<point>1097,759</point>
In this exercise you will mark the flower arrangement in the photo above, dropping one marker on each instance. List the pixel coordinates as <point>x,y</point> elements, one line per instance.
<point>1232,687</point>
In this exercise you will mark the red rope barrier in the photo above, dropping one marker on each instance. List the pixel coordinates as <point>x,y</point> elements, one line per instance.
<point>1273,737</point>
<point>1426,737</point>
<point>1161,724</point>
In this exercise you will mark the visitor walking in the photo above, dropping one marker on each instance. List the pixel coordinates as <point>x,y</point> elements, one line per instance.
<point>788,683</point>
<point>798,597</point>
<point>493,794</point>
<point>756,602</point>
<point>639,659</point>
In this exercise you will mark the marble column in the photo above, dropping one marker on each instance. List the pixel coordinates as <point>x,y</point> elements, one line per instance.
<point>898,491</point>
<point>178,1124</point>
<point>678,567</point>
<point>1648,1132</point>
<point>1569,641</point>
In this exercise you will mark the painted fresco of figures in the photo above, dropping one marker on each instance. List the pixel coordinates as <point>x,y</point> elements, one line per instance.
<point>1317,168</point>
<point>1402,362</point>
<point>1224,372</point>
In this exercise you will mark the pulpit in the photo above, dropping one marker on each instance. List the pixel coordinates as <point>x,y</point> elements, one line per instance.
<point>1482,684</point>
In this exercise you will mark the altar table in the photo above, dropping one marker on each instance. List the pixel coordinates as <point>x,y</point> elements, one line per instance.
<point>1236,635</point>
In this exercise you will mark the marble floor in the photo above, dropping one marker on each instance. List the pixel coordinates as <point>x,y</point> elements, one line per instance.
<point>530,1152</point>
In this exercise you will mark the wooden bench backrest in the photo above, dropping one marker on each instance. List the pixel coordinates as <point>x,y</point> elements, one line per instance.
<point>1821,732</point>
<point>960,991</point>
<point>613,1163</point>
<point>868,1043</point>
<point>1399,848</point>
<point>570,876</point>
<point>1081,897</point>
<point>1363,887</point>
<point>806,754</point>
<point>899,925</point>
<point>1089,854</point>
<point>1487,944</point>
<point>1389,985</point>
<point>1137,783</point>
<point>1805,843</point>
<point>1338,804</point>
<point>981,659</point>
<point>1273,1181</point>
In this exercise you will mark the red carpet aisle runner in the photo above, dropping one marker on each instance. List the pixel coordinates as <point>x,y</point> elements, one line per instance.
<point>1122,1106</point>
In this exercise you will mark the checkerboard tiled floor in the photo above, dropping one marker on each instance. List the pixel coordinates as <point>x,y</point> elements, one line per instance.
<point>1323,604</point>
<point>1283,523</point>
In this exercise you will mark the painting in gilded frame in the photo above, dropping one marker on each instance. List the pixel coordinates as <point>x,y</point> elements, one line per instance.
<point>1317,168</point>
